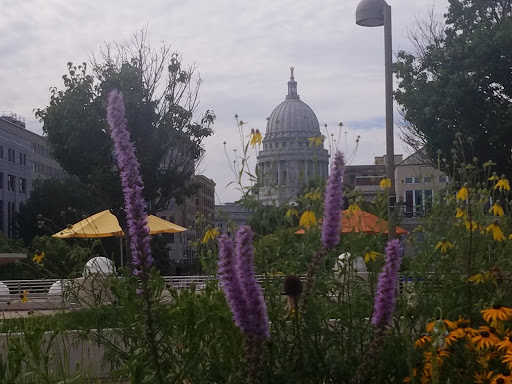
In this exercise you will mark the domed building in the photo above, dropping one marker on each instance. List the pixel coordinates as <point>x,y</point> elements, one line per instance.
<point>293,151</point>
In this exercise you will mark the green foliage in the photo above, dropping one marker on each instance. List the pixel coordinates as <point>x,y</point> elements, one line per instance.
<point>458,80</point>
<point>160,119</point>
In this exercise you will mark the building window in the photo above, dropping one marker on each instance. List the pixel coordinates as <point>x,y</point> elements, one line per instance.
<point>1,180</point>
<point>427,179</point>
<point>443,179</point>
<point>24,159</point>
<point>1,151</point>
<point>21,158</point>
<point>417,180</point>
<point>23,185</point>
<point>417,202</point>
<point>408,180</point>
<point>11,182</point>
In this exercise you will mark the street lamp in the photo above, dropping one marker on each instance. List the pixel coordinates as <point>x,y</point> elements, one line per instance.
<point>377,13</point>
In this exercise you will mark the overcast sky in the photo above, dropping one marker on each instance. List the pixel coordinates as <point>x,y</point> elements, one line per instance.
<point>243,49</point>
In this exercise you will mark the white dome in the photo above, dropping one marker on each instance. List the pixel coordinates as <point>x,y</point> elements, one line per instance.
<point>5,293</point>
<point>56,290</point>
<point>99,265</point>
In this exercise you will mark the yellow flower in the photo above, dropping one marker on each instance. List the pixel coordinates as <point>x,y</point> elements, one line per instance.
<point>479,278</point>
<point>500,379</point>
<point>454,335</point>
<point>507,359</point>
<point>483,378</point>
<point>385,183</point>
<point>506,344</point>
<point>292,212</point>
<point>422,341</point>
<point>463,193</point>
<point>503,184</point>
<point>255,137</point>
<point>308,219</point>
<point>494,177</point>
<point>370,255</point>
<point>496,209</point>
<point>24,297</point>
<point>38,257</point>
<point>485,338</point>
<point>460,212</point>
<point>471,225</point>
<point>353,208</point>
<point>313,195</point>
<point>497,234</point>
<point>448,324</point>
<point>316,140</point>
<point>444,245</point>
<point>210,235</point>
<point>497,312</point>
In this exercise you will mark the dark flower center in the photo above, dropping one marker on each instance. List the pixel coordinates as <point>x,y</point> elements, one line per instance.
<point>510,338</point>
<point>500,381</point>
<point>496,306</point>
<point>484,334</point>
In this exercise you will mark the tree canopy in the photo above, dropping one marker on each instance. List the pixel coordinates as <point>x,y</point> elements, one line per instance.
<point>459,79</point>
<point>161,99</point>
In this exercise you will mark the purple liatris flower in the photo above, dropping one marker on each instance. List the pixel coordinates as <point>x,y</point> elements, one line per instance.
<point>332,205</point>
<point>385,297</point>
<point>230,282</point>
<point>257,320</point>
<point>135,206</point>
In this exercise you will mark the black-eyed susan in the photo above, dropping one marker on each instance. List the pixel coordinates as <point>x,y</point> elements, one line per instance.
<point>443,246</point>
<point>507,359</point>
<point>422,341</point>
<point>353,208</point>
<point>308,218</point>
<point>502,184</point>
<point>292,212</point>
<point>407,379</point>
<point>24,297</point>
<point>256,137</point>
<point>313,195</point>
<point>454,335</point>
<point>463,193</point>
<point>479,278</point>
<point>506,343</point>
<point>38,257</point>
<point>385,183</point>
<point>484,377</point>
<point>471,225</point>
<point>448,324</point>
<point>371,256</point>
<point>497,312</point>
<point>460,212</point>
<point>210,234</point>
<point>497,209</point>
<point>485,338</point>
<point>494,177</point>
<point>497,233</point>
<point>500,379</point>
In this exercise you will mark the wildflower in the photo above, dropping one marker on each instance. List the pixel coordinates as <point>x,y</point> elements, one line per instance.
<point>256,137</point>
<point>500,379</point>
<point>333,200</point>
<point>38,257</point>
<point>316,140</point>
<point>463,193</point>
<point>313,195</point>
<point>502,184</point>
<point>135,206</point>
<point>494,177</point>
<point>443,245</point>
<point>507,359</point>
<point>308,218</point>
<point>422,341</point>
<point>385,296</point>
<point>483,378</point>
<point>353,208</point>
<point>448,324</point>
<point>497,234</point>
<point>479,278</point>
<point>497,312</point>
<point>385,183</point>
<point>471,225</point>
<point>370,256</point>
<point>210,234</point>
<point>293,289</point>
<point>292,212</point>
<point>407,379</point>
<point>505,344</point>
<point>460,212</point>
<point>454,335</point>
<point>496,209</point>
<point>485,338</point>
<point>24,297</point>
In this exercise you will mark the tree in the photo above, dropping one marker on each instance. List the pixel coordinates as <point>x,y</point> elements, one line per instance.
<point>161,98</point>
<point>459,79</point>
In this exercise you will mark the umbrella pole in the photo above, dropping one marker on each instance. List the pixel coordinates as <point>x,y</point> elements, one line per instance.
<point>121,249</point>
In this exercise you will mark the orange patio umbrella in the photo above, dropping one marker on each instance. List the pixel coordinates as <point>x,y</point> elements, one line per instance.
<point>362,221</point>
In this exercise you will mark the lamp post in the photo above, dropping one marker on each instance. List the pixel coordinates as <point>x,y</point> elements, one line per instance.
<point>377,13</point>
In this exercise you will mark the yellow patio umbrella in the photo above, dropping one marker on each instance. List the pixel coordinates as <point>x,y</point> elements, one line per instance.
<point>105,224</point>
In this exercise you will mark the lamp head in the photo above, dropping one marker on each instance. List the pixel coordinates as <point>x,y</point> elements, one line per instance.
<point>370,13</point>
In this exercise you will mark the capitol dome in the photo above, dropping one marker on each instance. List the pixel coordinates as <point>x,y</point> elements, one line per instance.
<point>292,157</point>
<point>292,117</point>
